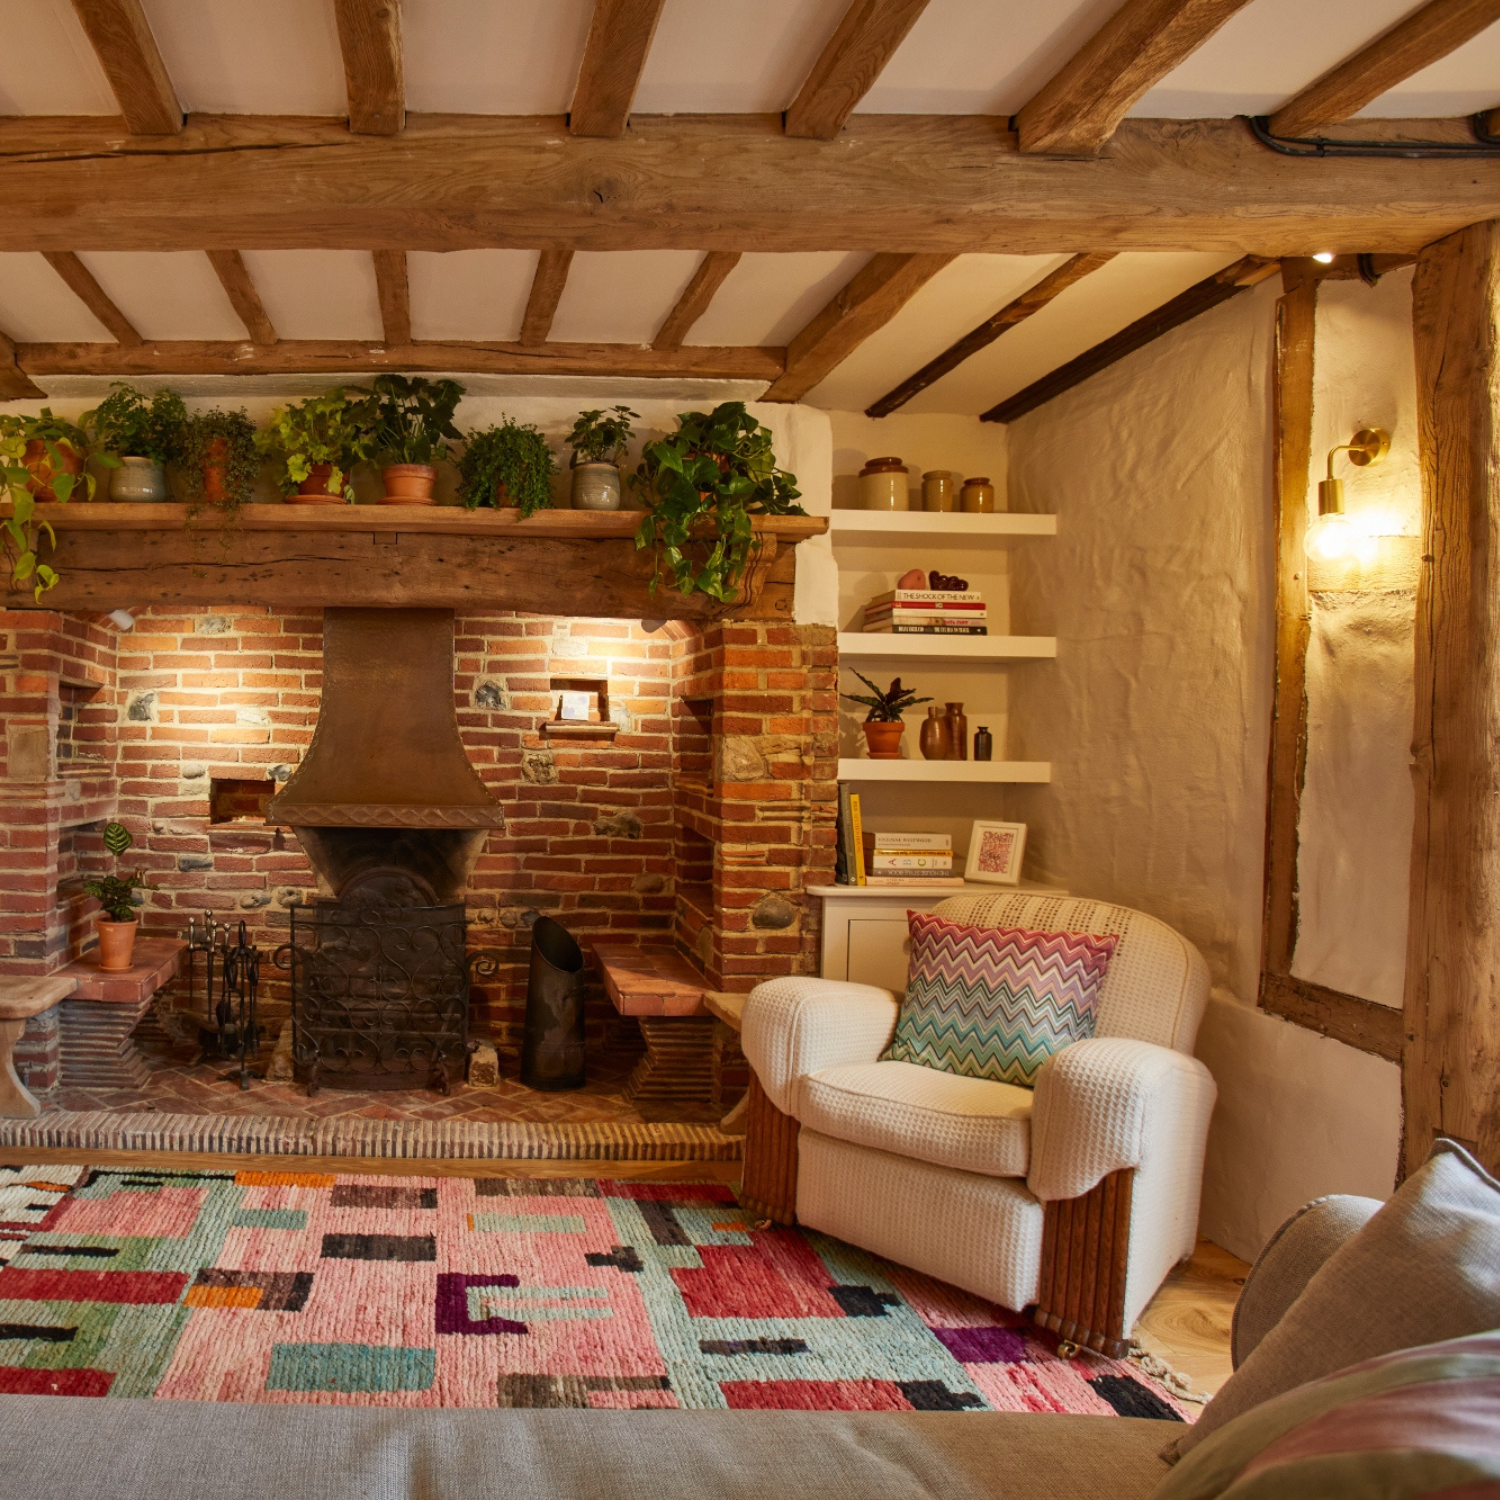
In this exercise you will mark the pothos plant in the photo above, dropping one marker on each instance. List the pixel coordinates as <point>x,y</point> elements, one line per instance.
<point>219,454</point>
<point>331,429</point>
<point>511,455</point>
<point>114,892</point>
<point>22,530</point>
<point>702,485</point>
<point>599,437</point>
<point>411,417</point>
<point>128,423</point>
<point>884,707</point>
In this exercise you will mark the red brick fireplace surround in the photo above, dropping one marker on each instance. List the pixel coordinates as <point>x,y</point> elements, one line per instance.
<point>700,821</point>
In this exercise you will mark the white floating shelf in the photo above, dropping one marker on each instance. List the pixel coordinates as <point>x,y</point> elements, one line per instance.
<point>948,647</point>
<point>946,770</point>
<point>903,526</point>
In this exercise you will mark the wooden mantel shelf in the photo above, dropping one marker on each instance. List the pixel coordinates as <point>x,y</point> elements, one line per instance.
<point>125,556</point>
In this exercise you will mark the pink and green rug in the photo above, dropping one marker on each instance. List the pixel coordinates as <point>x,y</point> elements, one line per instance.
<point>423,1291</point>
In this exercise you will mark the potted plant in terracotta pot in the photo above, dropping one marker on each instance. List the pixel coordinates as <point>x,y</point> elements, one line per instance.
<point>411,420</point>
<point>137,436</point>
<point>52,451</point>
<point>117,920</point>
<point>507,465</point>
<point>219,458</point>
<point>702,485</point>
<point>598,441</point>
<point>41,459</point>
<point>883,727</point>
<point>316,443</point>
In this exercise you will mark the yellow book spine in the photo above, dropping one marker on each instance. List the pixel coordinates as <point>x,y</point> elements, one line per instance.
<point>858,829</point>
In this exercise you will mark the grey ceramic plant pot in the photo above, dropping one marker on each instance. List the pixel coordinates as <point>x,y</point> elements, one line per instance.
<point>596,487</point>
<point>138,479</point>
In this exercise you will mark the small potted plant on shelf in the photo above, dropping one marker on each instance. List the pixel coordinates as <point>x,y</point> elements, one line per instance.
<point>219,458</point>
<point>703,485</point>
<point>598,441</point>
<point>117,920</point>
<point>507,465</point>
<point>41,460</point>
<point>137,436</point>
<point>411,420</point>
<point>883,727</point>
<point>314,445</point>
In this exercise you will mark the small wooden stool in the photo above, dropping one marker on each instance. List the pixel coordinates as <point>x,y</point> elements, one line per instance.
<point>20,1000</point>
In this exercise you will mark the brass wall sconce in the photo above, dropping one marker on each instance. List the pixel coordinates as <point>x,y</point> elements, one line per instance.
<point>1333,536</point>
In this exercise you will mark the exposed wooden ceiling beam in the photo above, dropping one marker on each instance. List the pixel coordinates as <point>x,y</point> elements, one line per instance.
<point>546,292</point>
<point>696,296</point>
<point>613,58</point>
<point>346,358</point>
<point>93,296</point>
<point>1220,287</point>
<point>854,58</point>
<point>876,294</point>
<point>15,383</point>
<point>127,51</point>
<point>1409,46</point>
<point>1032,300</point>
<point>910,183</point>
<point>1079,108</point>
<point>395,296</point>
<point>370,39</point>
<point>229,266</point>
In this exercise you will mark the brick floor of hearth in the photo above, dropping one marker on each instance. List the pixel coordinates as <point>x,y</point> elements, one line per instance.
<point>181,1084</point>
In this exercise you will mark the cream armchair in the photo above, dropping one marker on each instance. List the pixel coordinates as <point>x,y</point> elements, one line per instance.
<point>1076,1198</point>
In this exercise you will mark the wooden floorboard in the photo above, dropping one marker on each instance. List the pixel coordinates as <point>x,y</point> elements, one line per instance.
<point>1187,1323</point>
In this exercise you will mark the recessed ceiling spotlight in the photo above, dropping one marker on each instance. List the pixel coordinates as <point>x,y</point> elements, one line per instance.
<point>1324,257</point>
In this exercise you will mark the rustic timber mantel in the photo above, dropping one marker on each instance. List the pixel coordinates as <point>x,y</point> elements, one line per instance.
<point>566,562</point>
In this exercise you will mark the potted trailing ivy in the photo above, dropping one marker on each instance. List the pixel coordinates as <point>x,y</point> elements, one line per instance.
<point>316,443</point>
<point>703,484</point>
<point>219,458</point>
<point>41,459</point>
<point>137,436</point>
<point>52,452</point>
<point>598,442</point>
<point>507,465</point>
<point>883,726</point>
<point>411,420</point>
<point>117,920</point>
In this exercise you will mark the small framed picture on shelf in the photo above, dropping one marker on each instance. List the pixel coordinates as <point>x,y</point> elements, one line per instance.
<point>995,853</point>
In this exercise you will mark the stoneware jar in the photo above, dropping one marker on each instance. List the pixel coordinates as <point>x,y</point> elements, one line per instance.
<point>940,490</point>
<point>408,484</point>
<point>978,496</point>
<point>138,479</point>
<point>958,732</point>
<point>984,743</point>
<point>884,739</point>
<point>883,485</point>
<point>596,487</point>
<point>933,741</point>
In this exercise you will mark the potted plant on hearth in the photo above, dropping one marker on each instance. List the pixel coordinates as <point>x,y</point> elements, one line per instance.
<point>411,419</point>
<point>137,436</point>
<point>219,458</point>
<point>41,460</point>
<point>703,484</point>
<point>598,441</point>
<point>507,465</point>
<point>883,727</point>
<point>117,920</point>
<point>315,443</point>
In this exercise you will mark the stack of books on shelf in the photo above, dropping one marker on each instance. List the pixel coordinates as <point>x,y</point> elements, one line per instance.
<point>890,859</point>
<point>927,612</point>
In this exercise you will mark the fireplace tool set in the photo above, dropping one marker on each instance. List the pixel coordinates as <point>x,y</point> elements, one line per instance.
<point>231,978</point>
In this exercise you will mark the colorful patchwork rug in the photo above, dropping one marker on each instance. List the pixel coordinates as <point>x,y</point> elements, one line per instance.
<point>423,1291</point>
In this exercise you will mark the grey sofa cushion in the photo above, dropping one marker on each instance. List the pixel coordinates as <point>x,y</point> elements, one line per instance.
<point>1425,1268</point>
<point>76,1448</point>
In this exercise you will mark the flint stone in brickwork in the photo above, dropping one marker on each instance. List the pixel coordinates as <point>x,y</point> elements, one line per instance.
<point>482,916</point>
<point>195,862</point>
<point>279,772</point>
<point>566,646</point>
<point>193,770</point>
<point>484,1067</point>
<point>648,885</point>
<point>773,912</point>
<point>618,825</point>
<point>539,767</point>
<point>141,708</point>
<point>519,916</point>
<point>491,694</point>
<point>257,716</point>
<point>740,759</point>
<point>704,947</point>
<point>211,624</point>
<point>178,826</point>
<point>290,895</point>
<point>620,716</point>
<point>254,900</point>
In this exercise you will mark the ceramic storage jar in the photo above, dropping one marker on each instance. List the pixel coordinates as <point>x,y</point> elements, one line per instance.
<point>882,485</point>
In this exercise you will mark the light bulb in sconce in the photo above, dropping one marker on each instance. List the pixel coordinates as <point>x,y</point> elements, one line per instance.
<point>1333,537</point>
<point>1324,257</point>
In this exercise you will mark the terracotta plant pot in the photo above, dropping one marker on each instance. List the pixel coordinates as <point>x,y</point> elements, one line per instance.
<point>502,496</point>
<point>39,461</point>
<point>408,484</point>
<point>116,942</point>
<point>214,490</point>
<point>314,489</point>
<point>884,740</point>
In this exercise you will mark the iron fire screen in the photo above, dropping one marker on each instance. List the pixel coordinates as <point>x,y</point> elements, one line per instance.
<point>380,995</point>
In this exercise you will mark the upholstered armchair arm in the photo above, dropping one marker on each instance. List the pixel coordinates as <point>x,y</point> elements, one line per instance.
<point>798,1025</point>
<point>1114,1102</point>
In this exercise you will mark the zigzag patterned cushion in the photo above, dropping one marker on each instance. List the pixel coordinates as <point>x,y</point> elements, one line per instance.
<point>996,1002</point>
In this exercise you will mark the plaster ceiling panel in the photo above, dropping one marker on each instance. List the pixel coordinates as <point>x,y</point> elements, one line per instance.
<point>621,296</point>
<point>273,57</point>
<point>1125,289</point>
<point>469,294</point>
<point>47,66</point>
<point>1264,54</point>
<point>768,297</point>
<point>733,56</point>
<point>493,57</point>
<point>1464,82</point>
<point>956,300</point>
<point>37,306</point>
<point>318,294</point>
<point>166,294</point>
<point>966,58</point>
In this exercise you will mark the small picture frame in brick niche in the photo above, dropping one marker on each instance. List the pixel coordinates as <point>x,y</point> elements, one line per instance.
<point>995,853</point>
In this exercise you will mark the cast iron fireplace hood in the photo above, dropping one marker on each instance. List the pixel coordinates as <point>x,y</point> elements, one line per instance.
<point>385,802</point>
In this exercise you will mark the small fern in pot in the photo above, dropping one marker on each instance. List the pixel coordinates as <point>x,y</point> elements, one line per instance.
<point>137,436</point>
<point>598,441</point>
<point>507,465</point>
